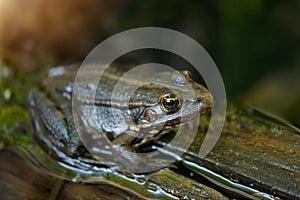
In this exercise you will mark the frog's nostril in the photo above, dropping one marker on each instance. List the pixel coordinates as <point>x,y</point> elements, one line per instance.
<point>202,105</point>
<point>201,101</point>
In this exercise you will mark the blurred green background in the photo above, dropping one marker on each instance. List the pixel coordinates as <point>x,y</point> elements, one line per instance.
<point>247,39</point>
<point>255,44</point>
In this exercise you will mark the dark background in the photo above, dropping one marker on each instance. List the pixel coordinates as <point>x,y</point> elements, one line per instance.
<point>246,39</point>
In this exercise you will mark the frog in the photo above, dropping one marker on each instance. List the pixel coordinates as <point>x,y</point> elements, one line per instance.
<point>117,123</point>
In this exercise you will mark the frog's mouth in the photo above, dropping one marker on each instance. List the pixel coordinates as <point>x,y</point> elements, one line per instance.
<point>192,110</point>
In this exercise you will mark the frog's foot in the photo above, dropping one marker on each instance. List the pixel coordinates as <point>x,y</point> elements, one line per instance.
<point>134,162</point>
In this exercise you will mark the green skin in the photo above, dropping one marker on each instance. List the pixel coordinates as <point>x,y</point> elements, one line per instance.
<point>152,107</point>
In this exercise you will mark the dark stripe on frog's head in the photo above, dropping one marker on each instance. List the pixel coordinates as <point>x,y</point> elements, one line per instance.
<point>146,94</point>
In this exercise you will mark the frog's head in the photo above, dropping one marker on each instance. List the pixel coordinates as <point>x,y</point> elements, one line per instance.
<point>171,102</point>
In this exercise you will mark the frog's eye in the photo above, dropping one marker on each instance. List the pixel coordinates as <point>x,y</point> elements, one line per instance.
<point>170,102</point>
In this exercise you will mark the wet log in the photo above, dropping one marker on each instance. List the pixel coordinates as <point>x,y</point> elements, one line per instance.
<point>20,179</point>
<point>257,151</point>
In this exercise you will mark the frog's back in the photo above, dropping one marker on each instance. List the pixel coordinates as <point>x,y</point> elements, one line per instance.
<point>63,78</point>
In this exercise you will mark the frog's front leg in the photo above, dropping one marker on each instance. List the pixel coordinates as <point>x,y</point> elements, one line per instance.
<point>133,161</point>
<point>124,153</point>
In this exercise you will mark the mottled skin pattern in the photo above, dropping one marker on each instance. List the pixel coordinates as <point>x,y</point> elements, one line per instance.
<point>158,105</point>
